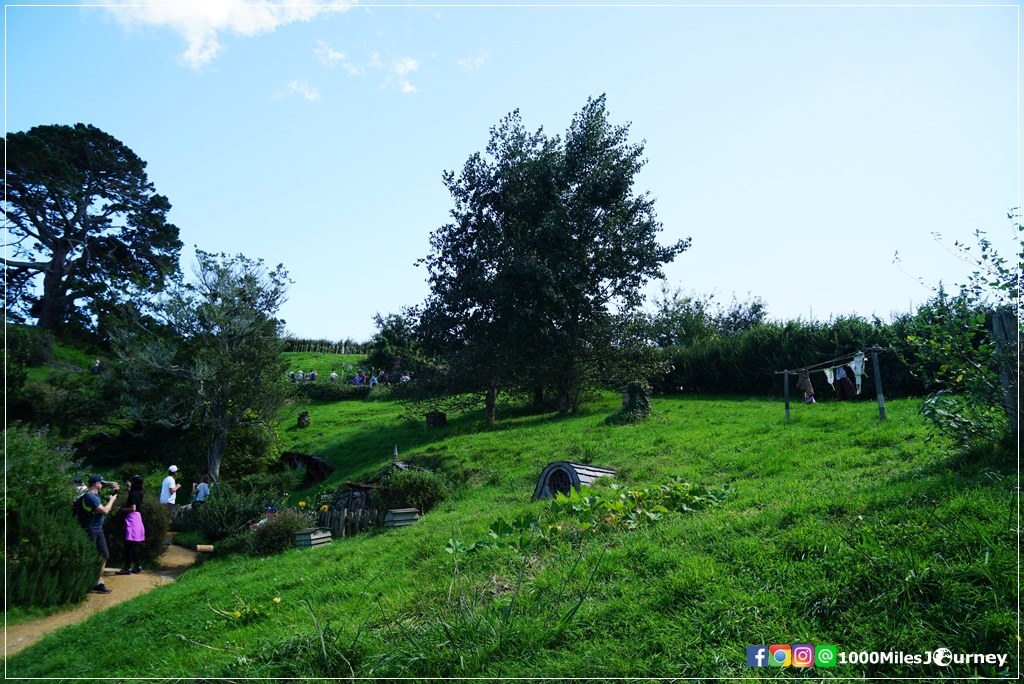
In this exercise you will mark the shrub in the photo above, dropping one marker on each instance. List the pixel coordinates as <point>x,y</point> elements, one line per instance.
<point>229,511</point>
<point>332,391</point>
<point>639,406</point>
<point>250,449</point>
<point>277,534</point>
<point>50,559</point>
<point>412,488</point>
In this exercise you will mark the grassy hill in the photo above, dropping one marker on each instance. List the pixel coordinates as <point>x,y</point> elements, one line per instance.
<point>834,528</point>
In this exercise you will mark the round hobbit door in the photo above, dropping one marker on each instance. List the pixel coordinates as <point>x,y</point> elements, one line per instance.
<point>558,481</point>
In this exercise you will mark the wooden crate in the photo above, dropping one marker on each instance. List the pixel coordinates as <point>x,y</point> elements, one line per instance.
<point>400,517</point>
<point>312,536</point>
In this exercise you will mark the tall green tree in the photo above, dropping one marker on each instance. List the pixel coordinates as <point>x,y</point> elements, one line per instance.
<point>82,215</point>
<point>548,243</point>
<point>209,359</point>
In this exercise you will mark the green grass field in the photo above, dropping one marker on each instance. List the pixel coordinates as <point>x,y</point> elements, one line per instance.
<point>836,528</point>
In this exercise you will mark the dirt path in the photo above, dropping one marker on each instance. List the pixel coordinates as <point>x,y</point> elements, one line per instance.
<point>174,561</point>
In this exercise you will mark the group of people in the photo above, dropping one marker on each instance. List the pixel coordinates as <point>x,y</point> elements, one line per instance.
<point>301,376</point>
<point>92,514</point>
<point>362,377</point>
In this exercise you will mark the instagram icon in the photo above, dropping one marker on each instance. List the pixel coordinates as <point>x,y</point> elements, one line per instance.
<point>803,655</point>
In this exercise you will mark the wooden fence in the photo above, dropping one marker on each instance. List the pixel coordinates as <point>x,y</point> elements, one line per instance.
<point>344,523</point>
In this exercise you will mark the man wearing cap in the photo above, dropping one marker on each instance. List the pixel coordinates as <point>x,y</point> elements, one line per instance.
<point>92,503</point>
<point>169,490</point>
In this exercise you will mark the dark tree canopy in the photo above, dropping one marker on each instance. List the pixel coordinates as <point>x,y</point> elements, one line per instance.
<point>548,244</point>
<point>82,214</point>
<point>210,357</point>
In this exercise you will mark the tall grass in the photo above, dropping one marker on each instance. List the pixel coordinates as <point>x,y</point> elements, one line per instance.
<point>837,529</point>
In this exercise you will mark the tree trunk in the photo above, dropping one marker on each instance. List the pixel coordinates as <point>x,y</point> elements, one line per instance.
<point>52,307</point>
<point>563,400</point>
<point>215,453</point>
<point>1004,325</point>
<point>538,398</point>
<point>489,403</point>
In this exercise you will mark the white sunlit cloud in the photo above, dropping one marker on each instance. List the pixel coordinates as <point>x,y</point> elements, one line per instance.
<point>471,63</point>
<point>327,55</point>
<point>304,90</point>
<point>202,24</point>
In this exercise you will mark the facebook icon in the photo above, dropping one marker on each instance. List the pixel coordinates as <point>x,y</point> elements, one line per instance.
<point>757,656</point>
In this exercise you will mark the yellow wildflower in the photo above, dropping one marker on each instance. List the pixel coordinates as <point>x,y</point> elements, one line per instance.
<point>277,599</point>
<point>302,504</point>
<point>323,509</point>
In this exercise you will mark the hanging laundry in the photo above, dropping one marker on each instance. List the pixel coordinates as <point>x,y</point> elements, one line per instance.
<point>844,387</point>
<point>840,373</point>
<point>804,383</point>
<point>830,377</point>
<point>857,366</point>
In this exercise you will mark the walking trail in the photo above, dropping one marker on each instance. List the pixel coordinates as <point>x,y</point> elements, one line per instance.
<point>174,561</point>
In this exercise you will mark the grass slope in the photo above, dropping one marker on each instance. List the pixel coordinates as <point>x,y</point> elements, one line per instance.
<point>838,529</point>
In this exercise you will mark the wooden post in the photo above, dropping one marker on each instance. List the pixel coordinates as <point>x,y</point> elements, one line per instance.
<point>878,384</point>
<point>785,390</point>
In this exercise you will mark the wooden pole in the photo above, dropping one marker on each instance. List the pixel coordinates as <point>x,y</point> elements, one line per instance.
<point>785,390</point>
<point>878,384</point>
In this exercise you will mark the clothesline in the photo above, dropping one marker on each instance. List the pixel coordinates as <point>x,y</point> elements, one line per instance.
<point>857,366</point>
<point>826,364</point>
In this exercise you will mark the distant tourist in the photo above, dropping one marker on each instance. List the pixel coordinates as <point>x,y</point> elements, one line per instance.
<point>333,376</point>
<point>312,376</point>
<point>200,491</point>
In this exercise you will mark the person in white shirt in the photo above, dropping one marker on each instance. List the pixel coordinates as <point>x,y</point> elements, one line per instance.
<point>169,490</point>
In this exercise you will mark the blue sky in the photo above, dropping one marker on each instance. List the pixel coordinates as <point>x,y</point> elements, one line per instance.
<point>801,147</point>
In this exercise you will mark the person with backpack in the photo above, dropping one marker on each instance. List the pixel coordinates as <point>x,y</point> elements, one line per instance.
<point>91,513</point>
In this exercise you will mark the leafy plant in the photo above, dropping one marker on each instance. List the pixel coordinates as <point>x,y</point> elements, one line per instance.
<point>277,533</point>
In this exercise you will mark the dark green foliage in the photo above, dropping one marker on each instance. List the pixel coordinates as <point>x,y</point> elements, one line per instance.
<point>277,534</point>
<point>745,363</point>
<point>549,241</point>
<point>637,408</point>
<point>966,347</point>
<point>346,346</point>
<point>87,220</point>
<point>252,449</point>
<point>157,523</point>
<point>67,402</point>
<point>322,390</point>
<point>412,488</point>
<point>231,510</point>
<point>214,364</point>
<point>49,558</point>
<point>394,347</point>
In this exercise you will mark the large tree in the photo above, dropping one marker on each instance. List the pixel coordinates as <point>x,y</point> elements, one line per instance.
<point>209,359</point>
<point>82,214</point>
<point>549,243</point>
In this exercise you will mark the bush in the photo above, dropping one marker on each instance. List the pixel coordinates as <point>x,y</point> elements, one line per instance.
<point>229,511</point>
<point>332,391</point>
<point>412,488</point>
<point>156,521</point>
<point>277,534</point>
<point>251,449</point>
<point>49,559</point>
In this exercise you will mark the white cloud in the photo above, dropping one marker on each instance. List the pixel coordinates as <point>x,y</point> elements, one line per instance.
<point>471,63</point>
<point>304,90</point>
<point>328,55</point>
<point>202,23</point>
<point>408,88</point>
<point>406,65</point>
